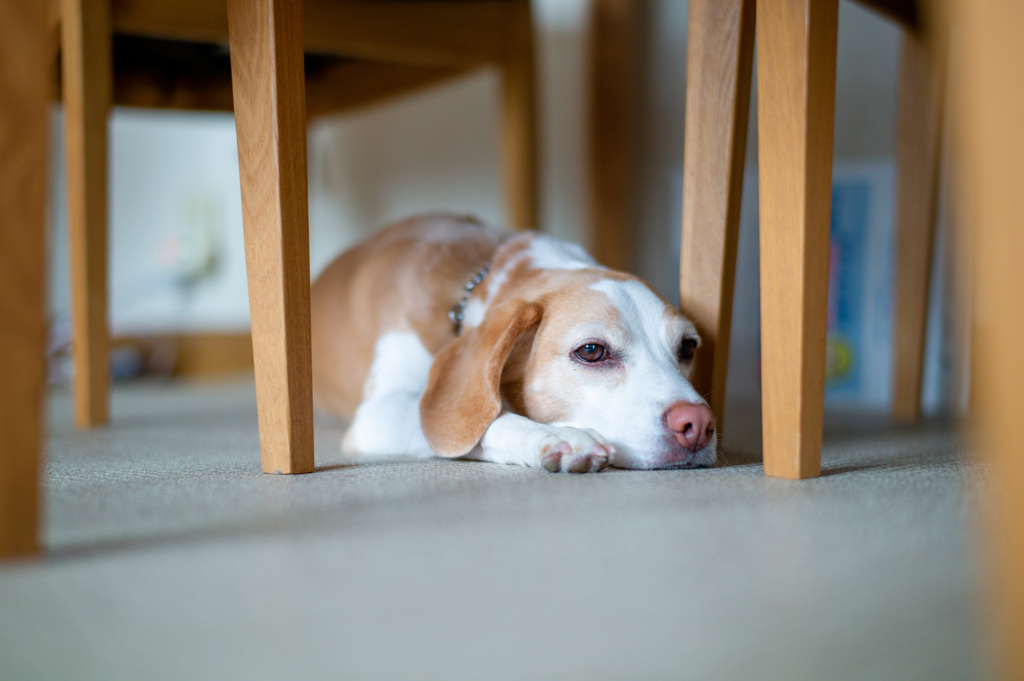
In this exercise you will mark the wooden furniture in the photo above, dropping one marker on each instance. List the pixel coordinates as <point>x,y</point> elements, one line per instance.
<point>796,52</point>
<point>24,57</point>
<point>796,85</point>
<point>165,53</point>
<point>617,38</point>
<point>410,43</point>
<point>270,117</point>
<point>988,72</point>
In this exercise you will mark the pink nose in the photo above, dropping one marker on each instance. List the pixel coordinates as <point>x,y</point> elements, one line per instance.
<point>692,424</point>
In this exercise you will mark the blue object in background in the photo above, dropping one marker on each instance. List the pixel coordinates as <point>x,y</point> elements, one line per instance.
<point>846,290</point>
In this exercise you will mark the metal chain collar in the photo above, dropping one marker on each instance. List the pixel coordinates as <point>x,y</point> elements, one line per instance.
<point>459,309</point>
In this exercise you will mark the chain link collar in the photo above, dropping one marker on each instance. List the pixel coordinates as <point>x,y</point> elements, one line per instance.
<point>459,309</point>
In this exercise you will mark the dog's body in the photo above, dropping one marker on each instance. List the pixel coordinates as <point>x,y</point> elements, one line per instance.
<point>558,364</point>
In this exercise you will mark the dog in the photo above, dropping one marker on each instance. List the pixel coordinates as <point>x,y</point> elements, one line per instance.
<point>441,335</point>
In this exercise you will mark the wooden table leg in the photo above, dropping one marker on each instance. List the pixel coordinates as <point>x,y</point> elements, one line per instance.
<point>720,53</point>
<point>270,116</point>
<point>519,120</point>
<point>24,60</point>
<point>87,76</point>
<point>796,57</point>
<point>988,110</point>
<point>919,138</point>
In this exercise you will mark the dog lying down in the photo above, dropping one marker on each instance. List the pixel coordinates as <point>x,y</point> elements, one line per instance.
<point>443,336</point>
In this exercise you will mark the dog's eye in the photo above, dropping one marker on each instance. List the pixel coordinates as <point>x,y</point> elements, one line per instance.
<point>591,352</point>
<point>686,348</point>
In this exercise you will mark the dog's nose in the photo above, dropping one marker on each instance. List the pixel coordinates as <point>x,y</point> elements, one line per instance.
<point>692,424</point>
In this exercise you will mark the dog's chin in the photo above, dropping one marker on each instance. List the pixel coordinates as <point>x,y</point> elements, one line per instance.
<point>668,457</point>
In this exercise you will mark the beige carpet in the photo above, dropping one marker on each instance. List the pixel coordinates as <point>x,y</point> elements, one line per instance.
<point>172,557</point>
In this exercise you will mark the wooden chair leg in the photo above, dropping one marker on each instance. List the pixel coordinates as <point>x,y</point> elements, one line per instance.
<point>719,58</point>
<point>87,75</point>
<point>989,82</point>
<point>267,78</point>
<point>919,138</point>
<point>24,59</point>
<point>796,57</point>
<point>519,120</point>
<point>616,35</point>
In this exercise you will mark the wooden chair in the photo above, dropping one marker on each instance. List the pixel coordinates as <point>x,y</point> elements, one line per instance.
<point>24,58</point>
<point>366,51</point>
<point>796,157</point>
<point>168,53</point>
<point>989,105</point>
<point>796,89</point>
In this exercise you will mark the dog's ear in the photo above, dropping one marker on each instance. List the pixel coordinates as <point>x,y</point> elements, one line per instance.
<point>463,393</point>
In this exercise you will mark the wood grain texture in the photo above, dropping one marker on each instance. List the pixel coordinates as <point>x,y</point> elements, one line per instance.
<point>340,88</point>
<point>270,118</point>
<point>918,153</point>
<point>441,33</point>
<point>519,119</point>
<point>87,73</point>
<point>616,62</point>
<point>354,84</point>
<point>905,12</point>
<point>24,59</point>
<point>720,54</point>
<point>202,355</point>
<point>211,355</point>
<point>987,77</point>
<point>796,56</point>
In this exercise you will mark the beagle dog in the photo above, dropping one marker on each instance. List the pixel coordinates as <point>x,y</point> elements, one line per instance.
<point>444,336</point>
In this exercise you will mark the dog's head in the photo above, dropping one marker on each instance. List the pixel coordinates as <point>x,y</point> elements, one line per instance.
<point>593,349</point>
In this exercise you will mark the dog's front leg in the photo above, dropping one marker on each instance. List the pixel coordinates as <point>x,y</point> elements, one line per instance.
<point>515,439</point>
<point>388,420</point>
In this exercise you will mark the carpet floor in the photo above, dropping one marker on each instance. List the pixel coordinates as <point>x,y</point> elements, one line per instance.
<point>170,556</point>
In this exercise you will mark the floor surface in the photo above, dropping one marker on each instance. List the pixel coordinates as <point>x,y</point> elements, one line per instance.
<point>170,556</point>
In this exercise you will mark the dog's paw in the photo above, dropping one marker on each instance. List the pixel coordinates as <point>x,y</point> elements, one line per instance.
<point>349,448</point>
<point>572,450</point>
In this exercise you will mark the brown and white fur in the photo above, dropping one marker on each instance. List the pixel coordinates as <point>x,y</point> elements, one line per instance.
<point>561,364</point>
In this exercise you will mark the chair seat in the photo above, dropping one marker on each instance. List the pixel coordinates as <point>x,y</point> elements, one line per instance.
<point>186,75</point>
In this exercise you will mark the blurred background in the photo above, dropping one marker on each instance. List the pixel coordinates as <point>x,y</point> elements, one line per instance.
<point>178,301</point>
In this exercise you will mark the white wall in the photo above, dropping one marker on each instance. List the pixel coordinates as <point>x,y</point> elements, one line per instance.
<point>174,178</point>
